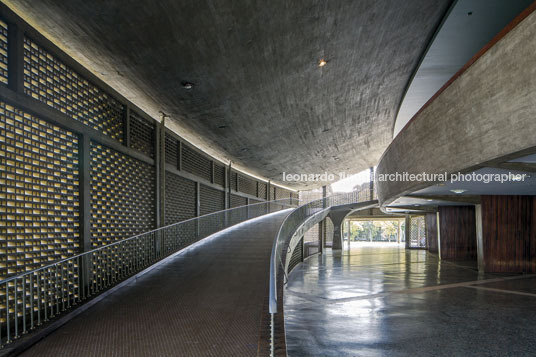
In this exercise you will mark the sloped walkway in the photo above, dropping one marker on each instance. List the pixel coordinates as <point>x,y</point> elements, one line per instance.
<point>206,301</point>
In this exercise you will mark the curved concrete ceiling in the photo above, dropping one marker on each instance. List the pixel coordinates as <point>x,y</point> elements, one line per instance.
<point>468,27</point>
<point>259,97</point>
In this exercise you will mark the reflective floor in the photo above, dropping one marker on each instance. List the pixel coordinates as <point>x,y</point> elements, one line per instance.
<point>205,301</point>
<point>381,300</point>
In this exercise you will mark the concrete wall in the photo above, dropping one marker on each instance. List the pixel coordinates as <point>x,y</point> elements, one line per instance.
<point>485,113</point>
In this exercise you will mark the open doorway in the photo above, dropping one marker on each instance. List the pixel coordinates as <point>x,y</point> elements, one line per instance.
<point>388,231</point>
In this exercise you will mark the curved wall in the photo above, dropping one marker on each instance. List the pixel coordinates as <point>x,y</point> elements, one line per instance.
<point>487,111</point>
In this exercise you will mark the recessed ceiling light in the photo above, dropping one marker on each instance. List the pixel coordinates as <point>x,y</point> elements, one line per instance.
<point>416,205</point>
<point>429,200</point>
<point>322,63</point>
<point>187,85</point>
<point>458,190</point>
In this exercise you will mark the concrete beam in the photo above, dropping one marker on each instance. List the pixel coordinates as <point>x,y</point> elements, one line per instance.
<point>494,88</point>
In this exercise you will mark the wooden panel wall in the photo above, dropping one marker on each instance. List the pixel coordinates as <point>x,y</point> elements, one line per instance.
<point>509,233</point>
<point>458,233</point>
<point>431,232</point>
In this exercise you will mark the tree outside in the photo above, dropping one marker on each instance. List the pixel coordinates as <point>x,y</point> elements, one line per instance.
<point>375,231</point>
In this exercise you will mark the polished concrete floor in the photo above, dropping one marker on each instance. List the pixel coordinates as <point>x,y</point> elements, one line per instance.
<point>206,301</point>
<point>381,300</point>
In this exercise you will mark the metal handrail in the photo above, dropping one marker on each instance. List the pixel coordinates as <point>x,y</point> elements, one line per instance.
<point>289,226</point>
<point>31,298</point>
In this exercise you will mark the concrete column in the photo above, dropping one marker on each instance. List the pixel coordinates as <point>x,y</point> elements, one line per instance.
<point>126,126</point>
<point>324,195</point>
<point>226,189</point>
<point>479,238</point>
<point>321,240</point>
<point>85,207</point>
<point>407,230</point>
<point>15,65</point>
<point>212,171</point>
<point>438,237</point>
<point>229,173</point>
<point>85,192</point>
<point>337,217</point>
<point>160,158</point>
<point>179,157</point>
<point>348,232</point>
<point>399,232</point>
<point>197,206</point>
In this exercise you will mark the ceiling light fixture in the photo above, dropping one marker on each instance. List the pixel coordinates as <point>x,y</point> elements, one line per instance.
<point>322,63</point>
<point>187,85</point>
<point>458,191</point>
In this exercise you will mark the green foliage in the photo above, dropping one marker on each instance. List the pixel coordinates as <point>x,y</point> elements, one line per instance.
<point>374,231</point>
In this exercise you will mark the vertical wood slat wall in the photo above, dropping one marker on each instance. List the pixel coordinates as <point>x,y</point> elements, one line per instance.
<point>509,233</point>
<point>457,226</point>
<point>44,120</point>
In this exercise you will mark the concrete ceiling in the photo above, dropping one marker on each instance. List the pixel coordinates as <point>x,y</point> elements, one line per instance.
<point>473,186</point>
<point>468,27</point>
<point>259,97</point>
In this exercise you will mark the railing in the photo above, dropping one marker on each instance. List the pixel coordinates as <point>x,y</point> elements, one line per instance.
<point>281,253</point>
<point>291,224</point>
<point>36,296</point>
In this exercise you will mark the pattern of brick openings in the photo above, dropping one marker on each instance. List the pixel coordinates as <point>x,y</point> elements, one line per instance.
<point>219,174</point>
<point>122,196</point>
<point>180,199</point>
<point>3,52</point>
<point>195,163</point>
<point>237,201</point>
<point>247,185</point>
<point>50,81</point>
<point>211,200</point>
<point>172,150</point>
<point>38,192</point>
<point>142,135</point>
<point>262,189</point>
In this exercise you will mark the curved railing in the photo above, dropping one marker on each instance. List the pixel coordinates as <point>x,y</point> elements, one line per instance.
<point>29,299</point>
<point>281,249</point>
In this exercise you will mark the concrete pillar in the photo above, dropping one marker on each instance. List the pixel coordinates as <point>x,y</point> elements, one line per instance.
<point>229,173</point>
<point>399,233</point>
<point>161,167</point>
<point>197,206</point>
<point>438,237</point>
<point>479,238</point>
<point>15,65</point>
<point>85,208</point>
<point>348,231</point>
<point>407,230</point>
<point>337,217</point>
<point>321,234</point>
<point>126,126</point>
